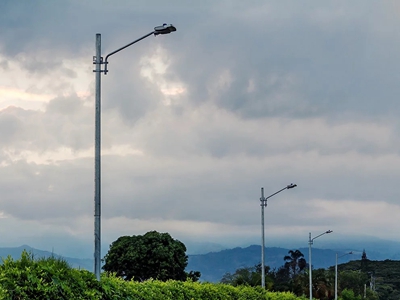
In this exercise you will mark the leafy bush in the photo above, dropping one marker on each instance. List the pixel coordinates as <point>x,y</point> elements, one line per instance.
<point>117,288</point>
<point>45,278</point>
<point>349,295</point>
<point>53,279</point>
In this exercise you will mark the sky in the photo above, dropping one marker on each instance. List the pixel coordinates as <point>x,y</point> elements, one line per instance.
<point>244,95</point>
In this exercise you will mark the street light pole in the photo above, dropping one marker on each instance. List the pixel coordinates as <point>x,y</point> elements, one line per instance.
<point>310,242</point>
<point>264,204</point>
<point>336,272</point>
<point>98,61</point>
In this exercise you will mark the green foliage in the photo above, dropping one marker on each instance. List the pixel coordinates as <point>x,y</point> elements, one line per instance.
<point>371,295</point>
<point>153,255</point>
<point>242,276</point>
<point>385,277</point>
<point>193,276</point>
<point>116,288</point>
<point>45,278</point>
<point>323,283</point>
<point>349,295</point>
<point>295,262</point>
<point>352,280</point>
<point>281,279</point>
<point>53,279</point>
<point>250,276</point>
<point>290,277</point>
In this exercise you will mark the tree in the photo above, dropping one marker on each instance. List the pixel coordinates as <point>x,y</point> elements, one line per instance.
<point>282,280</point>
<point>295,262</point>
<point>323,284</point>
<point>193,276</point>
<point>364,255</point>
<point>242,276</point>
<point>153,255</point>
<point>287,277</point>
<point>248,276</point>
<point>364,261</point>
<point>353,280</point>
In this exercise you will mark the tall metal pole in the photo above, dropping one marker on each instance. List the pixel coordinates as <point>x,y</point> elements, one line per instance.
<point>98,61</point>
<point>336,273</point>
<point>310,241</point>
<point>263,204</point>
<point>97,157</point>
<point>336,278</point>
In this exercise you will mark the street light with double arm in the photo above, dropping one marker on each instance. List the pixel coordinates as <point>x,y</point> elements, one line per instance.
<point>264,204</point>
<point>98,61</point>
<point>310,242</point>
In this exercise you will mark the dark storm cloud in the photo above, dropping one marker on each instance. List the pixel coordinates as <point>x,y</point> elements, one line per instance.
<point>311,60</point>
<point>333,54</point>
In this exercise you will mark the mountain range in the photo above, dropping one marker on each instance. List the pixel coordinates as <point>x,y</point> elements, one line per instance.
<point>15,253</point>
<point>213,265</point>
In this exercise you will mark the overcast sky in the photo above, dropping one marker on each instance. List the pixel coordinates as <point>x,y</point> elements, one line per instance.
<point>244,95</point>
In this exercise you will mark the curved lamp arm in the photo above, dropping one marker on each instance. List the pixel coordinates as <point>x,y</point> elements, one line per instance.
<point>163,29</point>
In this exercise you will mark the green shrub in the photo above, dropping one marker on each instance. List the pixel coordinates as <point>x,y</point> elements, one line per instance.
<point>53,279</point>
<point>349,295</point>
<point>45,278</point>
<point>116,288</point>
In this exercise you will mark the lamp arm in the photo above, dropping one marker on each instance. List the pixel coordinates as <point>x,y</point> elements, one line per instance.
<point>276,193</point>
<point>122,48</point>
<point>329,231</point>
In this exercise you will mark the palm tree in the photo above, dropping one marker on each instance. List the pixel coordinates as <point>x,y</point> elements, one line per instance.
<point>295,262</point>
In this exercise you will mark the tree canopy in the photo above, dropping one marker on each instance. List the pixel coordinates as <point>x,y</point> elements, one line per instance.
<point>295,262</point>
<point>152,255</point>
<point>293,277</point>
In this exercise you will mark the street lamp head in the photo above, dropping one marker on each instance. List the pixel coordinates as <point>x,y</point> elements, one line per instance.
<point>164,29</point>
<point>292,185</point>
<point>329,231</point>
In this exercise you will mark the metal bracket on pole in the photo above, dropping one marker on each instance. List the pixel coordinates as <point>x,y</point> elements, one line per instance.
<point>98,63</point>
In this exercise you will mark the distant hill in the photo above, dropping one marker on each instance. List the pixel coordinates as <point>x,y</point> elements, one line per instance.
<point>215,264</point>
<point>15,253</point>
<point>384,276</point>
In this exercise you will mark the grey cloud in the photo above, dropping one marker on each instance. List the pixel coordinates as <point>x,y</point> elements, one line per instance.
<point>233,188</point>
<point>34,65</point>
<point>128,93</point>
<point>325,72</point>
<point>10,125</point>
<point>4,65</point>
<point>40,192</point>
<point>66,122</point>
<point>336,65</point>
<point>328,49</point>
<point>64,105</point>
